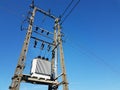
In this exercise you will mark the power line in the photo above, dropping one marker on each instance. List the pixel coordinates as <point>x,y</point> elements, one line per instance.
<point>69,12</point>
<point>89,53</point>
<point>67,8</point>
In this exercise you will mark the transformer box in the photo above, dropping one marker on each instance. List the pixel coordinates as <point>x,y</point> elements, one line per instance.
<point>41,68</point>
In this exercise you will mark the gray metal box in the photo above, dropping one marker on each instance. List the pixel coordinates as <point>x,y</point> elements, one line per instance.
<point>41,68</point>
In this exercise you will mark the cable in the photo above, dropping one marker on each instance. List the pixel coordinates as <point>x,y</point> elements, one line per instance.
<point>69,12</point>
<point>67,8</point>
<point>89,53</point>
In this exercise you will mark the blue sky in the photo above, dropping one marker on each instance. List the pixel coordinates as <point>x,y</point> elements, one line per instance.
<point>91,48</point>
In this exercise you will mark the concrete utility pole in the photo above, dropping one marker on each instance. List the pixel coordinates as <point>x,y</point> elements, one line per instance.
<point>21,62</point>
<point>64,78</point>
<point>57,52</point>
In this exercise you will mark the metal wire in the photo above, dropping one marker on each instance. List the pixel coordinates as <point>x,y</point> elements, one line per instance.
<point>85,51</point>
<point>67,8</point>
<point>69,12</point>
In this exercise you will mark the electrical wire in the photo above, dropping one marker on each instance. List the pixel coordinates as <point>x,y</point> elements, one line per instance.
<point>67,8</point>
<point>89,53</point>
<point>69,12</point>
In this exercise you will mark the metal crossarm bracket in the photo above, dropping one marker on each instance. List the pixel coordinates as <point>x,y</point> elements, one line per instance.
<point>46,13</point>
<point>29,79</point>
<point>42,40</point>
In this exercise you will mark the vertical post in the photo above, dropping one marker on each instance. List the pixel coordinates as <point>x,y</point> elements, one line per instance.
<point>64,78</point>
<point>54,57</point>
<point>15,85</point>
<point>56,49</point>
